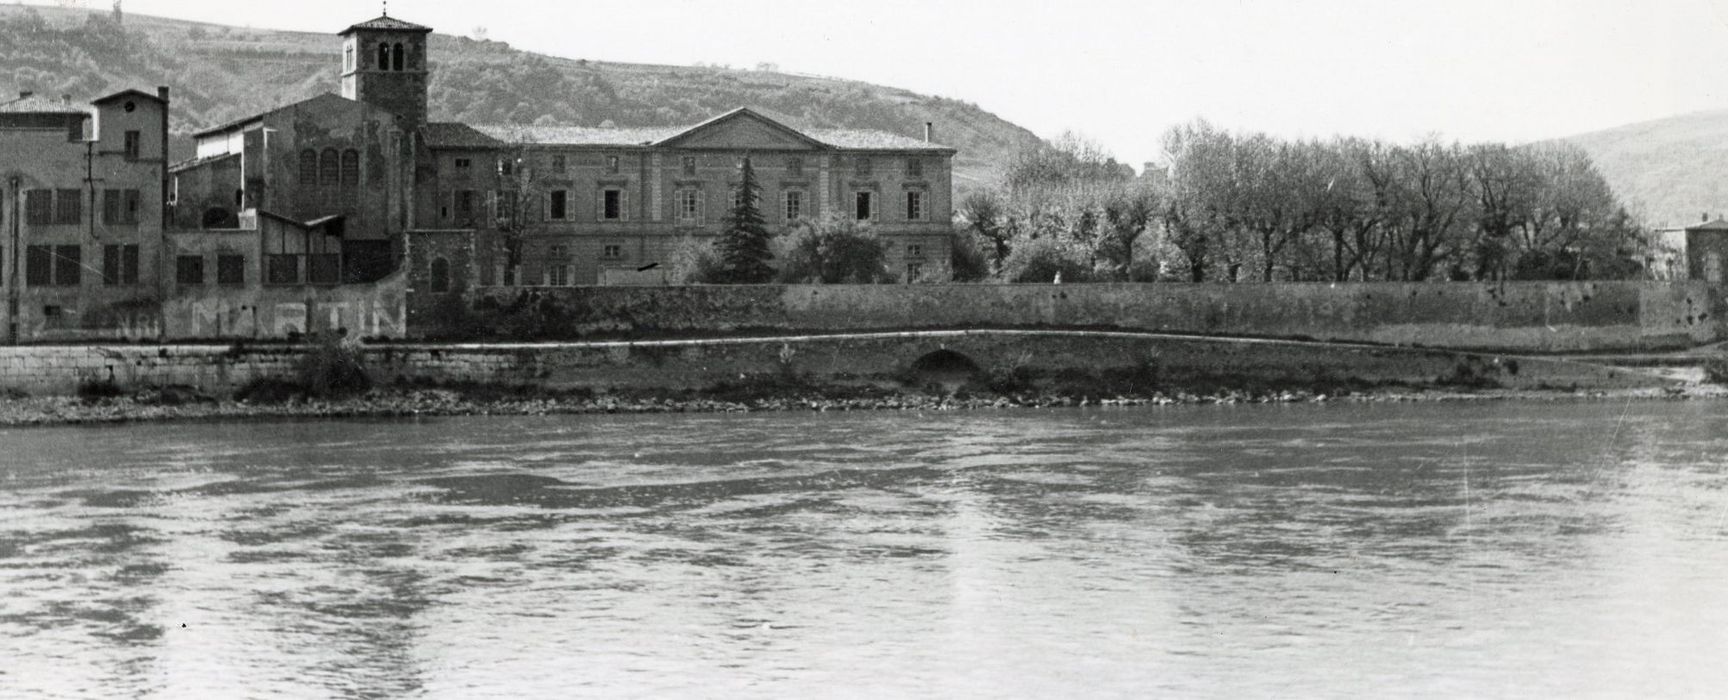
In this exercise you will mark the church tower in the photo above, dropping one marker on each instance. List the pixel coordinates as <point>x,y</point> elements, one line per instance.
<point>384,64</point>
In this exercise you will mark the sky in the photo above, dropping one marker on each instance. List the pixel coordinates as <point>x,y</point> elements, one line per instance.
<point>1121,71</point>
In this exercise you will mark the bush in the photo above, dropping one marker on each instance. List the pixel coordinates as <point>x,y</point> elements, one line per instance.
<point>969,261</point>
<point>833,250</point>
<point>333,366</point>
<point>1042,259</point>
<point>94,389</point>
<point>1716,370</point>
<point>694,261</point>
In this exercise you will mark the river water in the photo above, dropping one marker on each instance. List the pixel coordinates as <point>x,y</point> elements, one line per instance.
<point>1438,550</point>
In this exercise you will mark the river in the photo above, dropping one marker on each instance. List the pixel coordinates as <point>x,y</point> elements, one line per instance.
<point>1349,550</point>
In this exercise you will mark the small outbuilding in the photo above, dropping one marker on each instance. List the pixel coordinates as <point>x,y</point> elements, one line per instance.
<point>1706,247</point>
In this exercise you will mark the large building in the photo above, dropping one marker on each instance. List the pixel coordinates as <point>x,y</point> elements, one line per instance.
<point>353,211</point>
<point>342,188</point>
<point>82,214</point>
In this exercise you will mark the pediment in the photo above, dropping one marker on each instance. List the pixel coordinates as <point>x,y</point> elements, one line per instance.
<point>744,130</point>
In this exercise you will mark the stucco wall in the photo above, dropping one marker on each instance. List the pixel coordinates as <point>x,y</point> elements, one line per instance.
<point>1549,317</point>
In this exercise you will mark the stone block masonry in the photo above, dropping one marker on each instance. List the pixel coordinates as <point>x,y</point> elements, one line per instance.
<point>679,365</point>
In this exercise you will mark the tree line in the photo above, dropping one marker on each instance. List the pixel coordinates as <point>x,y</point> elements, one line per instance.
<point>1243,207</point>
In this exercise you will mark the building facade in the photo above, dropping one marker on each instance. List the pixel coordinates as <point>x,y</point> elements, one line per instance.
<point>83,215</point>
<point>345,210</point>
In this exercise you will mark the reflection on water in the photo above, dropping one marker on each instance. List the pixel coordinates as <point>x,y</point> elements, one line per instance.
<point>1509,550</point>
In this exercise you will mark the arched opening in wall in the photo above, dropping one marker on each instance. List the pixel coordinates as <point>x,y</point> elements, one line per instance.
<point>396,58</point>
<point>329,168</point>
<point>308,167</point>
<point>944,368</point>
<point>383,57</point>
<point>350,168</point>
<point>440,276</point>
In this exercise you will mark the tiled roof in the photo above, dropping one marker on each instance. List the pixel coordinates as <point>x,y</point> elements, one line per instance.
<point>852,139</point>
<point>387,23</point>
<point>455,135</point>
<point>39,104</point>
<point>261,115</point>
<point>865,139</point>
<point>195,162</point>
<point>127,93</point>
<point>1717,225</point>
<point>580,135</point>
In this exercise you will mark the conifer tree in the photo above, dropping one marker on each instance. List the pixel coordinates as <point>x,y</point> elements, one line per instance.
<point>744,251</point>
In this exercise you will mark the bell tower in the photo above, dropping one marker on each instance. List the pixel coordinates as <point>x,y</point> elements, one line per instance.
<point>384,64</point>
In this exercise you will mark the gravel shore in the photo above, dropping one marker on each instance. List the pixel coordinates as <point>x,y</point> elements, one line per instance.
<point>411,402</point>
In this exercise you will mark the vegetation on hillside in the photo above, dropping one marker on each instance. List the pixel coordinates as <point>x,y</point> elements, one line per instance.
<point>223,73</point>
<point>1250,207</point>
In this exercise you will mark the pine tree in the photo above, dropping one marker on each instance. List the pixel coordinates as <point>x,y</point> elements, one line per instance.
<point>743,244</point>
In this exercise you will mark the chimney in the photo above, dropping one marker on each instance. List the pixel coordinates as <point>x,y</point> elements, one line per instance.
<point>162,92</point>
<point>66,100</point>
<point>929,132</point>
<point>1704,216</point>
<point>25,94</point>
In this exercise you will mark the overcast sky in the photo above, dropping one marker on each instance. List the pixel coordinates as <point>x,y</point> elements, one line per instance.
<point>1121,71</point>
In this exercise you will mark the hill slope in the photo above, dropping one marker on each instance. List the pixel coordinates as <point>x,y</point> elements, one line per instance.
<point>220,73</point>
<point>1671,169</point>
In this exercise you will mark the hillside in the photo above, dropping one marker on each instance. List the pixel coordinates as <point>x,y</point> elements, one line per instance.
<point>220,73</point>
<point>1670,169</point>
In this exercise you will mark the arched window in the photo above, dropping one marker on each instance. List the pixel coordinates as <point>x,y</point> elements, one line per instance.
<point>440,276</point>
<point>308,167</point>
<point>383,57</point>
<point>350,168</point>
<point>396,59</point>
<point>329,167</point>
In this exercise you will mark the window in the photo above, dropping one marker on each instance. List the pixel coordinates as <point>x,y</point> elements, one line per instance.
<point>134,144</point>
<point>914,205</point>
<point>282,269</point>
<point>689,205</point>
<point>689,165</point>
<point>230,269</point>
<point>794,167</point>
<point>794,205</point>
<point>39,207</point>
<point>861,166</point>
<point>383,57</point>
<point>54,316</point>
<point>612,205</point>
<point>68,207</point>
<point>914,250</point>
<point>914,168</point>
<point>914,271</point>
<point>465,207</point>
<point>396,58</point>
<point>120,207</point>
<point>308,167</point>
<point>612,251</point>
<point>612,164</point>
<point>558,275</point>
<point>506,206</point>
<point>329,168</point>
<point>350,168</point>
<point>558,208</point>
<point>75,129</point>
<point>864,208</point>
<point>559,164</point>
<point>506,167</point>
<point>464,163</point>
<point>120,264</point>
<point>440,275</point>
<point>348,58</point>
<point>52,265</point>
<point>189,270</point>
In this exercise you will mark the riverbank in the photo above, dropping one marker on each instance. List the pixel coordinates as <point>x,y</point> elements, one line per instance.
<point>405,402</point>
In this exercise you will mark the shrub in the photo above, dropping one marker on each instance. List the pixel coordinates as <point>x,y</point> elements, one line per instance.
<point>969,260</point>
<point>833,250</point>
<point>1716,370</point>
<point>694,261</point>
<point>333,366</point>
<point>1042,259</point>
<point>93,389</point>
